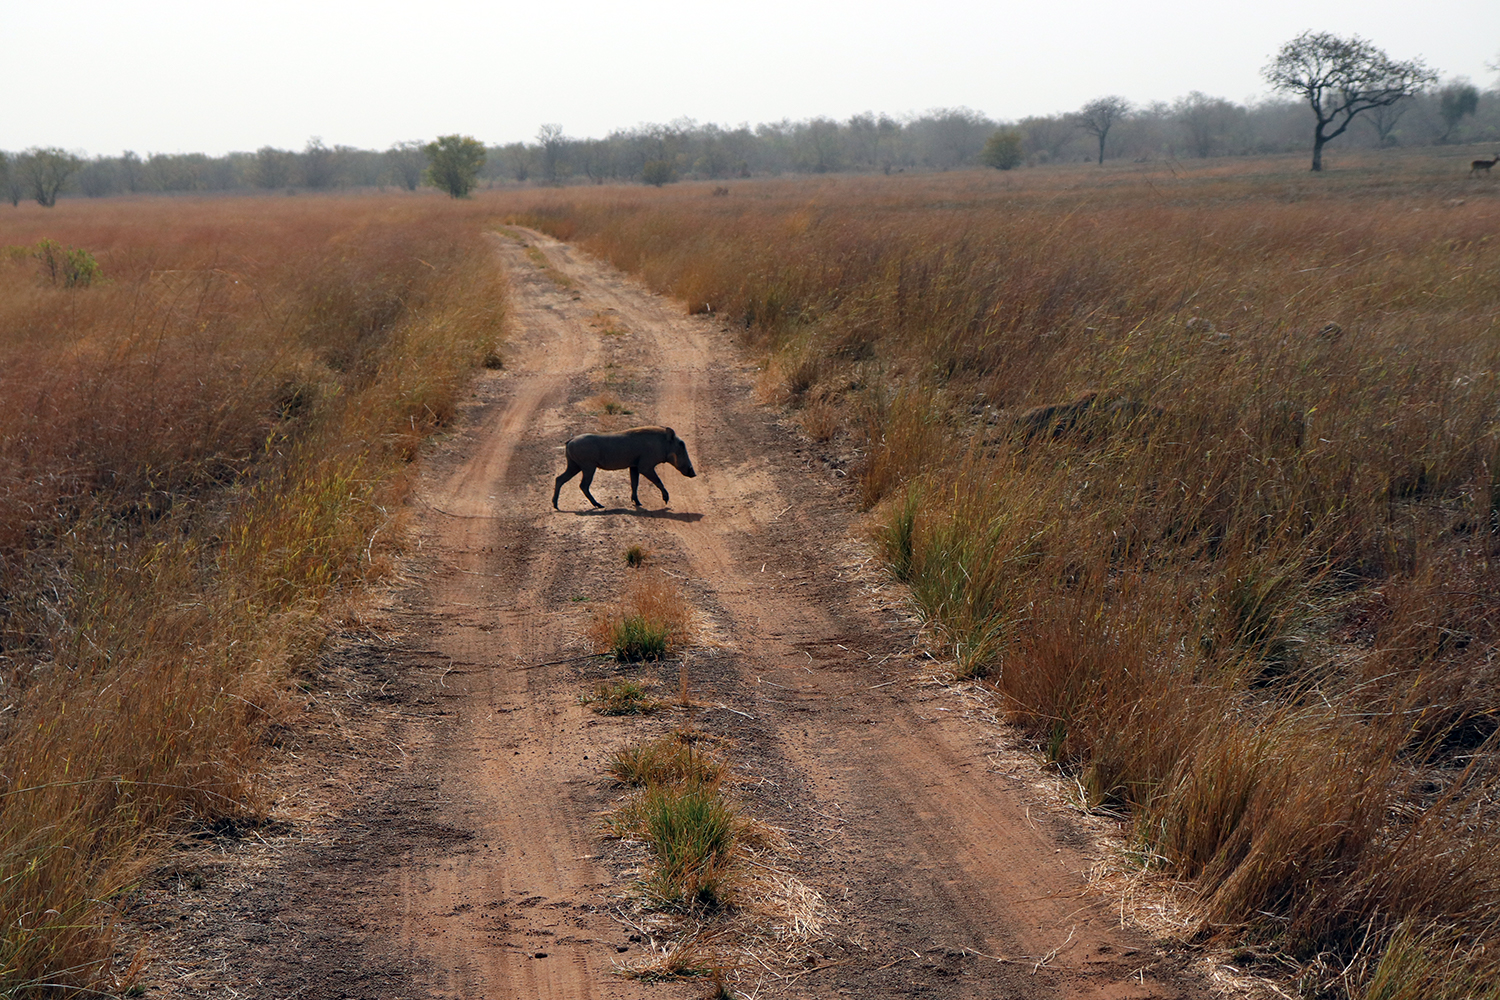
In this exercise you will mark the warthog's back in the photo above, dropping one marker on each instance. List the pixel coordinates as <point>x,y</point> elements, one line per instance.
<point>621,451</point>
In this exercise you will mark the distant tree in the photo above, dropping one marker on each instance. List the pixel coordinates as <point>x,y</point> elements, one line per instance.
<point>864,139</point>
<point>1341,78</point>
<point>518,160</point>
<point>1206,121</point>
<point>99,177</point>
<point>406,161</point>
<point>1385,118</point>
<point>1003,150</point>
<point>1455,101</point>
<point>45,170</point>
<point>1100,115</point>
<point>272,168</point>
<point>819,145</point>
<point>130,171</point>
<point>453,162</point>
<point>657,172</point>
<point>1045,137</point>
<point>552,141</point>
<point>10,181</point>
<point>319,164</point>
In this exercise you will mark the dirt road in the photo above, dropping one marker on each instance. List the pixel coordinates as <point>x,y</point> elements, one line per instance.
<point>451,841</point>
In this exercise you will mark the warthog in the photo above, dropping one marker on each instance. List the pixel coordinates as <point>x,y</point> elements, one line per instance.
<point>640,449</point>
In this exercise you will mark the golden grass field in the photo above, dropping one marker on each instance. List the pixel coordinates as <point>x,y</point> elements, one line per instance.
<point>1250,600</point>
<point>201,452</point>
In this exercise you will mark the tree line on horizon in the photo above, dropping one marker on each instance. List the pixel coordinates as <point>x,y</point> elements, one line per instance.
<point>1194,126</point>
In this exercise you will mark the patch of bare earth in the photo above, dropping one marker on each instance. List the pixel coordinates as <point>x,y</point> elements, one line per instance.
<point>441,829</point>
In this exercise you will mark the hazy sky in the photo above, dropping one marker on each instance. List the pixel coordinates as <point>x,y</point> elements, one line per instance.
<point>172,76</point>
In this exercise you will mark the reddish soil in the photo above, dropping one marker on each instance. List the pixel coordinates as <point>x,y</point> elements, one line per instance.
<point>441,834</point>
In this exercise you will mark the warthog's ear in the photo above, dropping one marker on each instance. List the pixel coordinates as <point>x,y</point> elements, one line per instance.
<point>671,435</point>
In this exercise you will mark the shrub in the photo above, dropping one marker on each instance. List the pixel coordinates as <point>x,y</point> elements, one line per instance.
<point>1003,150</point>
<point>657,173</point>
<point>69,266</point>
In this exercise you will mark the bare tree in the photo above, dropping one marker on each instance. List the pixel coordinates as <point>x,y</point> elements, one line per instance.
<point>1385,118</point>
<point>1341,78</point>
<point>551,139</point>
<point>45,171</point>
<point>1098,116</point>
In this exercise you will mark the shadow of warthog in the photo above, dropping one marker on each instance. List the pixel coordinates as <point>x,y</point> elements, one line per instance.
<point>640,449</point>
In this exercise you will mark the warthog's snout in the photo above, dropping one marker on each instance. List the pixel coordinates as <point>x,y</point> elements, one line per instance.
<point>640,449</point>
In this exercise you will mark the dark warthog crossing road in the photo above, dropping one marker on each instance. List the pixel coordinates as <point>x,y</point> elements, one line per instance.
<point>640,449</point>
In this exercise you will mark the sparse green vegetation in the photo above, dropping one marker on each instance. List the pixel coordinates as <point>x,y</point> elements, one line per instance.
<point>635,556</point>
<point>621,697</point>
<point>1248,593</point>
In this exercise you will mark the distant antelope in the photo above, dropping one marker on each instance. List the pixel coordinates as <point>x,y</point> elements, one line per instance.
<point>1484,165</point>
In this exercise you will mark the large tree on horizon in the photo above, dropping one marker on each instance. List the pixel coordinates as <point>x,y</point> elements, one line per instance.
<point>453,163</point>
<point>1098,116</point>
<point>1340,78</point>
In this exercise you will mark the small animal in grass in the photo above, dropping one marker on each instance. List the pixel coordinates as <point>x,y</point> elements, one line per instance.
<point>640,449</point>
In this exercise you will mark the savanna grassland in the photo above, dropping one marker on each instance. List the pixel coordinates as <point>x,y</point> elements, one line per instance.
<point>1245,588</point>
<point>207,408</point>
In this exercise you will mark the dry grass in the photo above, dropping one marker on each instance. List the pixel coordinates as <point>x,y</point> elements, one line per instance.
<point>201,452</point>
<point>651,622</point>
<point>1250,593</point>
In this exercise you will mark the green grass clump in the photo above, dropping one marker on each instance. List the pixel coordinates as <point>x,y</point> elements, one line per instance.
<point>638,638</point>
<point>690,829</point>
<point>635,556</point>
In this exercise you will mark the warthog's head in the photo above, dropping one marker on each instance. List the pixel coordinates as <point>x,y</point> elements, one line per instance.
<point>677,454</point>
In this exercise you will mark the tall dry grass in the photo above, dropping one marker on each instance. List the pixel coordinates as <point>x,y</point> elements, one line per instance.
<point>198,456</point>
<point>1255,604</point>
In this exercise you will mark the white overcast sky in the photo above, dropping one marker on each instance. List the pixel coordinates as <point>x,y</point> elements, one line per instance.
<point>173,76</point>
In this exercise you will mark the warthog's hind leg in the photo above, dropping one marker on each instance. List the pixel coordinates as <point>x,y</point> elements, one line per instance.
<point>583,484</point>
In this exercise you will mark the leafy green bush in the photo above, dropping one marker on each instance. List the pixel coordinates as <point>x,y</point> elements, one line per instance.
<point>1003,150</point>
<point>70,266</point>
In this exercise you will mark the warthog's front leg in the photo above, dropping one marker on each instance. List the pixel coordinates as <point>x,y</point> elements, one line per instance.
<point>651,475</point>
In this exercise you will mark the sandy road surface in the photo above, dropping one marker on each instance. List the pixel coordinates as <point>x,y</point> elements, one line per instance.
<point>464,856</point>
